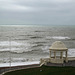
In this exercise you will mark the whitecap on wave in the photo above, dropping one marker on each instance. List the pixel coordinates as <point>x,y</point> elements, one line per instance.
<point>45,49</point>
<point>7,43</point>
<point>17,47</point>
<point>58,37</point>
<point>8,59</point>
<point>71,52</point>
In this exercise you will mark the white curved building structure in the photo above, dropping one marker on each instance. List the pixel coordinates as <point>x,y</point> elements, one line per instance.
<point>58,47</point>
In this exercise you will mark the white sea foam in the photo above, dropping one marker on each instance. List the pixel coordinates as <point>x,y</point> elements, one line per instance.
<point>45,49</point>
<point>16,50</point>
<point>7,43</point>
<point>19,63</point>
<point>7,60</point>
<point>58,37</point>
<point>18,47</point>
<point>20,50</point>
<point>71,52</point>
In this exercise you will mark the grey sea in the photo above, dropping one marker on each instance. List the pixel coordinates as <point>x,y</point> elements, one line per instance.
<point>22,43</point>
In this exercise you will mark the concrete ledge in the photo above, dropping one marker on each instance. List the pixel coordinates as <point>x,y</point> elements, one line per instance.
<point>9,69</point>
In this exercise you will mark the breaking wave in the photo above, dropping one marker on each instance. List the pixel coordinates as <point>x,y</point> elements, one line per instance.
<point>58,37</point>
<point>17,47</point>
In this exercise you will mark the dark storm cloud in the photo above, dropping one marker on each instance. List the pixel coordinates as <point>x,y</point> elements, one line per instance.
<point>37,12</point>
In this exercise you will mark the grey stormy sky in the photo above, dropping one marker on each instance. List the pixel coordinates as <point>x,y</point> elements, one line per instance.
<point>52,12</point>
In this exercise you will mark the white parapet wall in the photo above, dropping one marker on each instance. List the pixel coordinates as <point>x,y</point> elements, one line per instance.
<point>71,58</point>
<point>44,61</point>
<point>56,60</point>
